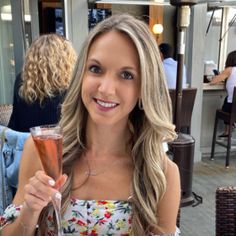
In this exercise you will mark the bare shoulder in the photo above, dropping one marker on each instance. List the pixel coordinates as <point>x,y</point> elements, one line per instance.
<point>171,171</point>
<point>168,206</point>
<point>172,181</point>
<point>30,163</point>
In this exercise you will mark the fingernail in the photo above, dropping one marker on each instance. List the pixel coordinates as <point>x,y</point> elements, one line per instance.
<point>66,176</point>
<point>51,182</point>
<point>58,196</point>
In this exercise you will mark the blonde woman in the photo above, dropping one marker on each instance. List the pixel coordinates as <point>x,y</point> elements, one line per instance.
<point>115,117</point>
<point>39,89</point>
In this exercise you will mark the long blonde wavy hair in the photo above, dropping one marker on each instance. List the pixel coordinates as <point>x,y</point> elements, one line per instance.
<point>150,126</point>
<point>48,67</point>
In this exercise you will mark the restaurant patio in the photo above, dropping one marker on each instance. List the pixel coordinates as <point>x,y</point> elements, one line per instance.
<point>207,176</point>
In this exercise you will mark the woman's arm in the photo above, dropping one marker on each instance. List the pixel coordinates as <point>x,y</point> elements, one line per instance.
<point>168,206</point>
<point>222,76</point>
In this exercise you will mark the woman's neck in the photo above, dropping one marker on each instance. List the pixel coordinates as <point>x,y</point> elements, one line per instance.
<point>107,140</point>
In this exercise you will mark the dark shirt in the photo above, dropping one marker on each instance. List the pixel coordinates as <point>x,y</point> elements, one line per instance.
<point>25,116</point>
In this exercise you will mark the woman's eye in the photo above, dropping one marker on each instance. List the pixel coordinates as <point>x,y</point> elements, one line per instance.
<point>127,75</point>
<point>95,69</point>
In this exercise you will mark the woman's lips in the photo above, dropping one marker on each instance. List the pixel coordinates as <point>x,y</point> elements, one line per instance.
<point>107,105</point>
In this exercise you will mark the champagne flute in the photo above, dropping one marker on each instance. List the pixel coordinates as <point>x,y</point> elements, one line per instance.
<point>48,142</point>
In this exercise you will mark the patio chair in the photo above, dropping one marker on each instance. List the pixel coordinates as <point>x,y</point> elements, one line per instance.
<point>188,98</point>
<point>229,118</point>
<point>225,221</point>
<point>5,113</point>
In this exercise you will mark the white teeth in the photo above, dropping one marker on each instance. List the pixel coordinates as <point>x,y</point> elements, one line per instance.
<point>106,104</point>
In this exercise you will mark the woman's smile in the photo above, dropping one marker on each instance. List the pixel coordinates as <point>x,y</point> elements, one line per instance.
<point>105,105</point>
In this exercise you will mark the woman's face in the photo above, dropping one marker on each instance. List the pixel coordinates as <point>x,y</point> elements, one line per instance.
<point>111,83</point>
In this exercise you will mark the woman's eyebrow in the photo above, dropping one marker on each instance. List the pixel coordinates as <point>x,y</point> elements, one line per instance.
<point>129,68</point>
<point>134,69</point>
<point>93,60</point>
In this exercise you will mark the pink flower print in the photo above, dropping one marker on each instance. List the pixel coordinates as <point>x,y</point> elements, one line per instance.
<point>80,222</point>
<point>102,202</point>
<point>73,219</point>
<point>85,233</point>
<point>130,221</point>
<point>50,218</point>
<point>107,214</point>
<point>93,233</point>
<point>100,222</point>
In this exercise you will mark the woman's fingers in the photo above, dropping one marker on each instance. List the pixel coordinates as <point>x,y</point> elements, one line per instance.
<point>39,191</point>
<point>40,175</point>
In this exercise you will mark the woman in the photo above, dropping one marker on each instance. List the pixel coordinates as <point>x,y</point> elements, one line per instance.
<point>228,74</point>
<point>115,117</point>
<point>40,88</point>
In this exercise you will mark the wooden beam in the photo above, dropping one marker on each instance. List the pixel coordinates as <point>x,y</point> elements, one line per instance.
<point>156,14</point>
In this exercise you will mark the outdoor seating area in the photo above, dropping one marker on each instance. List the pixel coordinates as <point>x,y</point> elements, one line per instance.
<point>217,213</point>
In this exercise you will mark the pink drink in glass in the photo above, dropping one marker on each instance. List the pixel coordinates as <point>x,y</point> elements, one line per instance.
<point>48,142</point>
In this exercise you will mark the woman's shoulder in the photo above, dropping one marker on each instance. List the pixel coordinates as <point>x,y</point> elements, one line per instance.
<point>172,175</point>
<point>171,167</point>
<point>233,69</point>
<point>228,70</point>
<point>53,101</point>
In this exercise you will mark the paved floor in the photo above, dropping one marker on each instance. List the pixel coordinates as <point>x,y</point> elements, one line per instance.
<point>207,176</point>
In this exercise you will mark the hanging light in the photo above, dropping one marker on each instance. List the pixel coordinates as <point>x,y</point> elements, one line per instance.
<point>157,29</point>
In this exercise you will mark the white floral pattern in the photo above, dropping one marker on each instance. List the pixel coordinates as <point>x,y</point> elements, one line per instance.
<point>87,218</point>
<point>90,217</point>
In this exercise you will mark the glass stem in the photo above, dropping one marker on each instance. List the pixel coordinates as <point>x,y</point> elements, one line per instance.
<point>56,201</point>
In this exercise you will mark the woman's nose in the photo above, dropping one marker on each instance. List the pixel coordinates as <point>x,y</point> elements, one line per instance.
<point>107,85</point>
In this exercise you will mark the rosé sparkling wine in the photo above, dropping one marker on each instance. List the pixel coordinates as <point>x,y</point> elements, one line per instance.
<point>50,152</point>
<point>48,142</point>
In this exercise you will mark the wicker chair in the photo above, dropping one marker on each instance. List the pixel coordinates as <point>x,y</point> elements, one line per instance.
<point>5,113</point>
<point>225,211</point>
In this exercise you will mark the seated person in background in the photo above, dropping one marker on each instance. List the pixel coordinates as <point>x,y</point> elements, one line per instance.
<point>228,74</point>
<point>120,181</point>
<point>170,66</point>
<point>39,89</point>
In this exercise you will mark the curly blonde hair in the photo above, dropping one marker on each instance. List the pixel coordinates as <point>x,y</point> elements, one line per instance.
<point>47,69</point>
<point>150,126</point>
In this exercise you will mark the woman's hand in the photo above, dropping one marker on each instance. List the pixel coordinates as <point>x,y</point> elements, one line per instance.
<point>40,190</point>
<point>222,76</point>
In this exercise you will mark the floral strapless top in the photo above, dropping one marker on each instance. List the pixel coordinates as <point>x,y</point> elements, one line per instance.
<point>91,217</point>
<point>88,218</point>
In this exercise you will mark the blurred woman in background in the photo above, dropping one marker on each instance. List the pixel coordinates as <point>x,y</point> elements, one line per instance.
<point>228,75</point>
<point>40,88</point>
